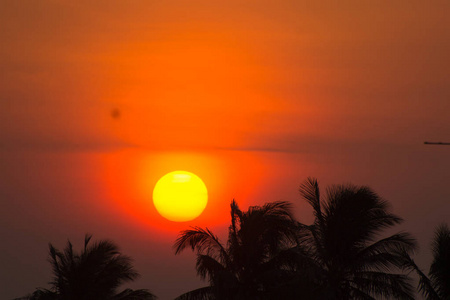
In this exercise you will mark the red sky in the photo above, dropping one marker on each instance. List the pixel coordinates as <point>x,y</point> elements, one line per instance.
<point>251,96</point>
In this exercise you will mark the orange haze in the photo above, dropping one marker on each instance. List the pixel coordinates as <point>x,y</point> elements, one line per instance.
<point>99,99</point>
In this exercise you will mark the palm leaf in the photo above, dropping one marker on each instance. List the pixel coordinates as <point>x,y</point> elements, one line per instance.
<point>204,293</point>
<point>385,253</point>
<point>129,294</point>
<point>201,240</point>
<point>309,190</point>
<point>425,286</point>
<point>207,266</point>
<point>43,294</point>
<point>440,267</point>
<point>383,284</point>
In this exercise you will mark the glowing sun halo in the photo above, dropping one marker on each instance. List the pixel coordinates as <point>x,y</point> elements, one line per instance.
<point>180,196</point>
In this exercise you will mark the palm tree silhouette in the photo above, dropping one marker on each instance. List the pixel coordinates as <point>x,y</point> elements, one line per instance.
<point>341,249</point>
<point>93,274</point>
<point>436,286</point>
<point>440,267</point>
<point>249,265</point>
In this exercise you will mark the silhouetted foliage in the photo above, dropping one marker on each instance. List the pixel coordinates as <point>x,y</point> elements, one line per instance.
<point>93,274</point>
<point>342,249</point>
<point>437,285</point>
<point>440,267</point>
<point>248,266</point>
<point>269,255</point>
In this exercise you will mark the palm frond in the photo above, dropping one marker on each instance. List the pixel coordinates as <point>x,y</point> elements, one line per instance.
<point>384,284</point>
<point>311,240</point>
<point>87,239</point>
<point>236,219</point>
<point>129,294</point>
<point>425,286</point>
<point>296,259</point>
<point>278,208</point>
<point>399,243</point>
<point>207,266</point>
<point>42,294</point>
<point>204,293</point>
<point>440,267</point>
<point>236,215</point>
<point>274,224</point>
<point>200,240</point>
<point>359,295</point>
<point>309,190</point>
<point>385,253</point>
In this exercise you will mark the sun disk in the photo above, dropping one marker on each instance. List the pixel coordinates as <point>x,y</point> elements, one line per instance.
<point>180,196</point>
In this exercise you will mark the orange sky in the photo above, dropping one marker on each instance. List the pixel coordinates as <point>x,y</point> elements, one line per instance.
<point>252,96</point>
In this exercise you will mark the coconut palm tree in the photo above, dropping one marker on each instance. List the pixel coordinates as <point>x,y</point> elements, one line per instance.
<point>440,267</point>
<point>93,274</point>
<point>436,286</point>
<point>342,248</point>
<point>249,265</point>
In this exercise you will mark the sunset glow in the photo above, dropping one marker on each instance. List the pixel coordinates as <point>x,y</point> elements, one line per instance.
<point>180,196</point>
<point>135,121</point>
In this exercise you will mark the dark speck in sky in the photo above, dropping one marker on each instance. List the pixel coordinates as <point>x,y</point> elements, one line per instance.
<point>115,113</point>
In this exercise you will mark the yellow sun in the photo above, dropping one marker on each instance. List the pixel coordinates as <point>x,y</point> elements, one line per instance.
<point>180,196</point>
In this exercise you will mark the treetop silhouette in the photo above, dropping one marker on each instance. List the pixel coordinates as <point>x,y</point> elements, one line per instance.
<point>246,266</point>
<point>95,273</point>
<point>270,255</point>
